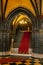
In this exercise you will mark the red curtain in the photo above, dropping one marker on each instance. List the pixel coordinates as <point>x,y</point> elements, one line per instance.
<point>25,43</point>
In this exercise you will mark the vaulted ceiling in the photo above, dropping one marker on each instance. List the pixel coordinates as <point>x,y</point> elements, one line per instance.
<point>12,4</point>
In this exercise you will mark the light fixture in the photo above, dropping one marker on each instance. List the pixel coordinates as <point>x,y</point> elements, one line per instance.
<point>23,22</point>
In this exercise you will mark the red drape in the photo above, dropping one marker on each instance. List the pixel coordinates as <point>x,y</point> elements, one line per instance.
<point>25,42</point>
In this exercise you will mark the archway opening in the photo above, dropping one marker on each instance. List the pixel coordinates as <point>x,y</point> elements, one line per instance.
<point>22,28</point>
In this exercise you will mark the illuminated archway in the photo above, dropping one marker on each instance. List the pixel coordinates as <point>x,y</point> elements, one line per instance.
<point>15,12</point>
<point>22,25</point>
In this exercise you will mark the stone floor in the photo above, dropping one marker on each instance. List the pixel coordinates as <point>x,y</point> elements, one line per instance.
<point>29,61</point>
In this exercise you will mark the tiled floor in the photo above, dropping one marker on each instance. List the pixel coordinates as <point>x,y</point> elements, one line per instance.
<point>30,61</point>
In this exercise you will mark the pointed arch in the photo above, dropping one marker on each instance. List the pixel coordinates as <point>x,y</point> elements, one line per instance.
<point>18,10</point>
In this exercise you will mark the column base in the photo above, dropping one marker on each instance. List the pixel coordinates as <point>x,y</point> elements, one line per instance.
<point>37,55</point>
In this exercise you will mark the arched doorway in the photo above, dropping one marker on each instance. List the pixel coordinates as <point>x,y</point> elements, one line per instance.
<point>15,13</point>
<point>11,17</point>
<point>22,28</point>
